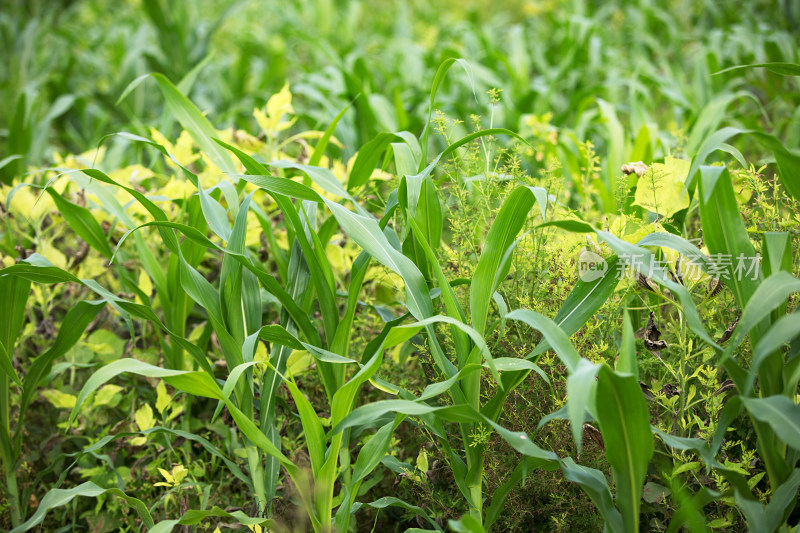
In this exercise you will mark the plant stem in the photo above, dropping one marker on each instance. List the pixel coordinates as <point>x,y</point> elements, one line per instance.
<point>13,496</point>
<point>9,462</point>
<point>476,491</point>
<point>257,475</point>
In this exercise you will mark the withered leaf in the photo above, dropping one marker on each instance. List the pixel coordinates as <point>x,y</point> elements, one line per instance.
<point>644,282</point>
<point>652,335</point>
<point>646,390</point>
<point>728,332</point>
<point>715,287</point>
<point>593,434</point>
<point>726,386</point>
<point>669,390</point>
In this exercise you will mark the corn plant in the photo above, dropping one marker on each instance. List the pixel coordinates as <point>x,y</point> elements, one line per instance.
<point>234,310</point>
<point>586,95</point>
<point>762,297</point>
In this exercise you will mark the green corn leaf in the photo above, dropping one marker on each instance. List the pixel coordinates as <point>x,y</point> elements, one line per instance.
<point>594,483</point>
<point>784,69</point>
<point>130,87</point>
<point>712,143</point>
<point>581,387</point>
<point>723,230</point>
<point>646,264</point>
<point>452,306</point>
<point>777,251</point>
<point>241,297</point>
<point>195,123</point>
<point>367,159</point>
<point>282,186</point>
<point>770,294</point>
<point>627,354</point>
<point>437,81</point>
<point>60,497</point>
<point>83,223</point>
<point>575,226</point>
<point>710,118</point>
<point>278,334</point>
<point>342,337</point>
<point>312,428</point>
<point>428,213</point>
<point>625,424</point>
<point>372,452</point>
<point>365,414</point>
<point>555,336</point>
<point>192,382</point>
<point>367,233</point>
<point>390,501</point>
<point>14,292</point>
<point>193,517</point>
<point>782,415</point>
<point>405,162</point>
<point>617,144</point>
<point>492,266</point>
<point>785,330</point>
<point>466,524</point>
<point>319,149</point>
<point>583,302</point>
<point>234,376</point>
<point>39,274</point>
<point>680,245</point>
<point>784,497</point>
<point>323,177</point>
<point>7,367</point>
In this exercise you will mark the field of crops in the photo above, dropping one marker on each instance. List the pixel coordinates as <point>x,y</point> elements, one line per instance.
<point>350,266</point>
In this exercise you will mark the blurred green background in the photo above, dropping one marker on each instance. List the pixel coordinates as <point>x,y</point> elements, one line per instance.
<point>67,63</point>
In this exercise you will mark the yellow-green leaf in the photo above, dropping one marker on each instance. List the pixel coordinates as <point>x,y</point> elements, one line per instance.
<point>163,399</point>
<point>61,400</point>
<point>422,461</point>
<point>144,417</point>
<point>660,189</point>
<point>107,395</point>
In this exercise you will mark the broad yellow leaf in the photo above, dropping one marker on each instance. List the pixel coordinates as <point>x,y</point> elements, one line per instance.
<point>659,189</point>
<point>179,472</point>
<point>144,417</point>
<point>422,460</point>
<point>278,105</point>
<point>163,398</point>
<point>61,400</point>
<point>107,395</point>
<point>298,362</point>
<point>167,475</point>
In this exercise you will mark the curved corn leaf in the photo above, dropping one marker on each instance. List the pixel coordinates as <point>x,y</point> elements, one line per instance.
<point>625,424</point>
<point>195,123</point>
<point>60,497</point>
<point>594,483</point>
<point>781,413</point>
<point>492,266</point>
<point>82,223</point>
<point>784,69</point>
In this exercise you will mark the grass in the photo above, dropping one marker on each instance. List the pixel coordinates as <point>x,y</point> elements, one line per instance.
<point>319,270</point>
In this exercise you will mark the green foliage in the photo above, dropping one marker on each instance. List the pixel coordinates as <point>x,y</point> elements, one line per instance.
<point>359,305</point>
